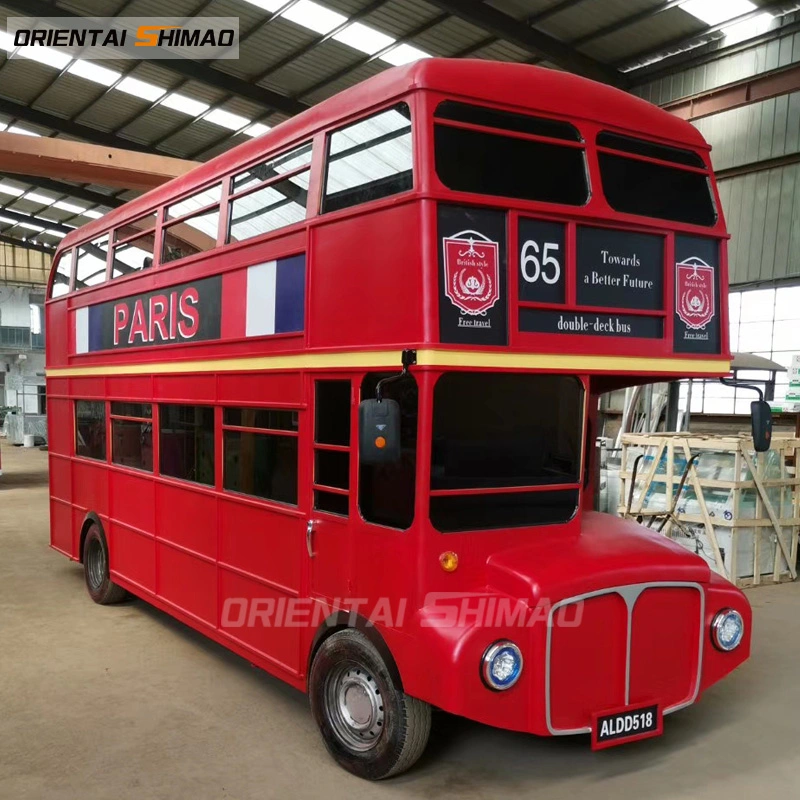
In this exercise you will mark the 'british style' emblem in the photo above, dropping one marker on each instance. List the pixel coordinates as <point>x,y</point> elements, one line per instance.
<point>471,271</point>
<point>694,292</point>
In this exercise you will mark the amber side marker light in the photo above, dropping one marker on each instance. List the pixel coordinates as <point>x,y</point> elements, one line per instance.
<point>448,561</point>
<point>380,443</point>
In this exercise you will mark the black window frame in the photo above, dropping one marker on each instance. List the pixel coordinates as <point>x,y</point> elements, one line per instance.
<point>165,411</point>
<point>168,222</point>
<point>130,414</point>
<point>406,393</point>
<point>382,188</point>
<point>238,193</point>
<point>103,428</point>
<point>85,249</point>
<point>659,166</point>
<point>332,435</point>
<point>493,500</point>
<point>271,435</point>
<point>545,140</point>
<point>68,256</point>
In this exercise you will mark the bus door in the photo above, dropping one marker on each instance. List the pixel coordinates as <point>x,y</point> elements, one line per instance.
<point>328,542</point>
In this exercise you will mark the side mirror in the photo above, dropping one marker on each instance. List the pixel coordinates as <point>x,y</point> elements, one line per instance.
<point>761,418</point>
<point>379,431</point>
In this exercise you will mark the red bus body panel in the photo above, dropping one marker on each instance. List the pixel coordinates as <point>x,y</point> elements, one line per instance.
<point>371,291</point>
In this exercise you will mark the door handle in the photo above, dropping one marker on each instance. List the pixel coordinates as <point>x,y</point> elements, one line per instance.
<point>309,534</point>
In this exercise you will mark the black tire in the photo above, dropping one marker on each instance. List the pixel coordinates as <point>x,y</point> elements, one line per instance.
<point>95,569</point>
<point>394,727</point>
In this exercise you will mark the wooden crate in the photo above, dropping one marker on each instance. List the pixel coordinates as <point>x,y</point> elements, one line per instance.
<point>738,509</point>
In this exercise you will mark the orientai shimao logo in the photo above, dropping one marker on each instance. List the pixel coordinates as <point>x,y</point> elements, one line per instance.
<point>127,37</point>
<point>471,271</point>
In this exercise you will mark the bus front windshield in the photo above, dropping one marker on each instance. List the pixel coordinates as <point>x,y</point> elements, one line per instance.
<point>506,450</point>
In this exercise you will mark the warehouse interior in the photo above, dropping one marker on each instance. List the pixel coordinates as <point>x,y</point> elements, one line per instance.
<point>128,701</point>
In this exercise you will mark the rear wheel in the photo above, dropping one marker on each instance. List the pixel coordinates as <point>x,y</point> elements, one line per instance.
<point>369,725</point>
<point>95,569</point>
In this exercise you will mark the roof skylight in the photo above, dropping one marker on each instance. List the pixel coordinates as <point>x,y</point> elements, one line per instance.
<point>45,55</point>
<point>22,131</point>
<point>64,206</point>
<point>94,72</point>
<point>256,129</point>
<point>363,38</point>
<point>713,12</point>
<point>184,104</point>
<point>35,197</point>
<point>314,16</point>
<point>143,89</point>
<point>747,29</point>
<point>227,119</point>
<point>404,54</point>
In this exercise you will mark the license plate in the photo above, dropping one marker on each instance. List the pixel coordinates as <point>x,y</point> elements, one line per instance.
<point>619,727</point>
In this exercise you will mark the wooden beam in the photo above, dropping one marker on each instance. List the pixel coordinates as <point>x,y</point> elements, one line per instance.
<point>735,95</point>
<point>87,163</point>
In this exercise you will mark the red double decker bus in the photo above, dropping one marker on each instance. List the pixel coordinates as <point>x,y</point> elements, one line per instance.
<point>331,397</point>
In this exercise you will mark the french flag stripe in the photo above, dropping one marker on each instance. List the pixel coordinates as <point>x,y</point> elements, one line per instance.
<point>275,297</point>
<point>261,280</point>
<point>290,293</point>
<point>82,330</point>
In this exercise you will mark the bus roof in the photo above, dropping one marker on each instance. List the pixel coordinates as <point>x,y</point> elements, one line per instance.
<point>522,85</point>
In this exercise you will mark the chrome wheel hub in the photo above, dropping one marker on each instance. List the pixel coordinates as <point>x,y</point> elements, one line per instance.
<point>355,706</point>
<point>95,565</point>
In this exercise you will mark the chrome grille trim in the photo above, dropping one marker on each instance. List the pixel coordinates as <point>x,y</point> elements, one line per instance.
<point>630,594</point>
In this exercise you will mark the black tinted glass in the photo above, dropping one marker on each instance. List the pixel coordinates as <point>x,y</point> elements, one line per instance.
<point>186,443</point>
<point>505,430</point>
<point>261,464</point>
<point>507,120</point>
<point>642,147</point>
<point>269,418</point>
<point>132,444</point>
<point>90,429</point>
<point>504,166</point>
<point>656,190</point>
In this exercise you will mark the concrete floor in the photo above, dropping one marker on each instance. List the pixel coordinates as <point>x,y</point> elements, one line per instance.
<point>124,702</point>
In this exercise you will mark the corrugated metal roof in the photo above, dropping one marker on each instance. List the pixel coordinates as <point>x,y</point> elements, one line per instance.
<point>285,57</point>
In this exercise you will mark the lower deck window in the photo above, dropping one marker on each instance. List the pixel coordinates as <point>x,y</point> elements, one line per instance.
<point>499,441</point>
<point>90,429</point>
<point>260,447</point>
<point>132,435</point>
<point>186,443</point>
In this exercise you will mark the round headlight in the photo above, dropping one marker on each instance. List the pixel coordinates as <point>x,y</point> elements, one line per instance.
<point>727,630</point>
<point>501,665</point>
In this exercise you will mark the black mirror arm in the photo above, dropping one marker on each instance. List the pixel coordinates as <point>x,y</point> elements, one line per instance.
<point>739,385</point>
<point>409,358</point>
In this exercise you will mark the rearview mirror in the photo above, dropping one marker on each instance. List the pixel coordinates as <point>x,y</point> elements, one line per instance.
<point>761,418</point>
<point>379,431</point>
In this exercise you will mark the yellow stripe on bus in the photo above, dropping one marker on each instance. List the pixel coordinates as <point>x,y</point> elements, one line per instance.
<point>425,357</point>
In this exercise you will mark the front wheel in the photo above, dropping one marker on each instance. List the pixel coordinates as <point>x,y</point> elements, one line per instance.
<point>95,569</point>
<point>368,724</point>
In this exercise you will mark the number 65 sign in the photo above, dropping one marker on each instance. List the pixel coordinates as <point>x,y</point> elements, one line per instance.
<point>541,261</point>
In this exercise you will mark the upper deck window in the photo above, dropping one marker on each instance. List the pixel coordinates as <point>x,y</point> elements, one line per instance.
<point>503,154</point>
<point>63,275</point>
<point>270,195</point>
<point>135,246</point>
<point>90,269</point>
<point>653,180</point>
<point>369,159</point>
<point>191,224</point>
